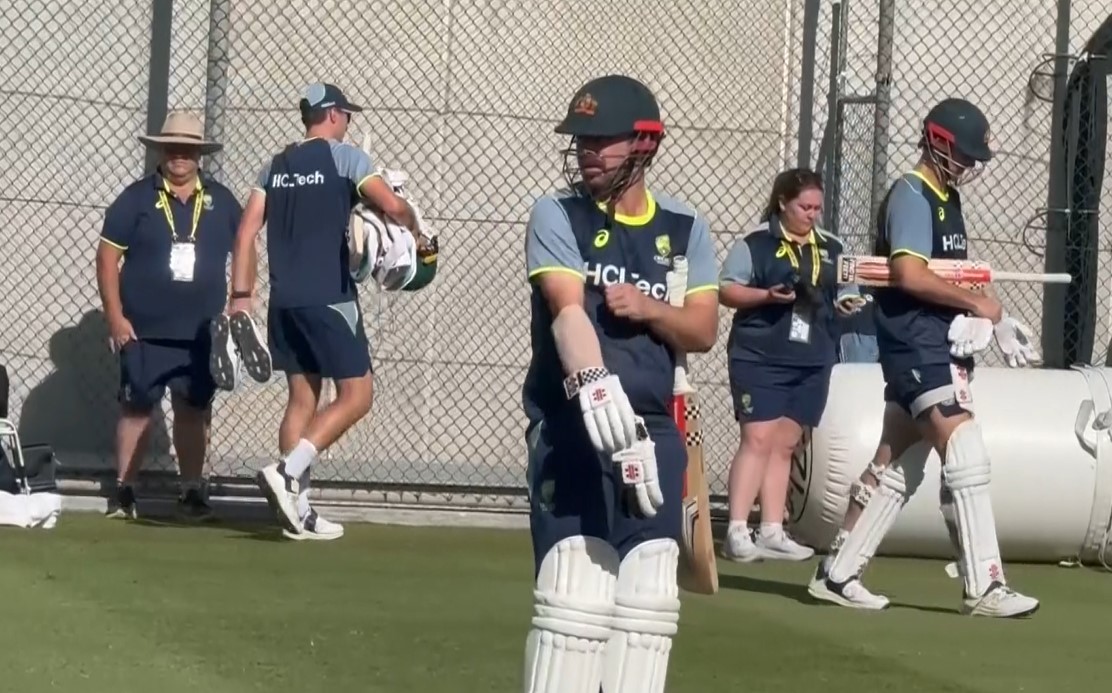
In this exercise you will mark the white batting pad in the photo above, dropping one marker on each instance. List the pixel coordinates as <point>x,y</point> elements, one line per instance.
<point>967,472</point>
<point>573,605</point>
<point>646,617</point>
<point>897,484</point>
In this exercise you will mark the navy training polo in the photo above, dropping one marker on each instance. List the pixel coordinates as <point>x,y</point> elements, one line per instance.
<point>568,232</point>
<point>157,306</point>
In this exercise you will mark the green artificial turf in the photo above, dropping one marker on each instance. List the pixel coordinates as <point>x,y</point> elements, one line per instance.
<point>102,606</point>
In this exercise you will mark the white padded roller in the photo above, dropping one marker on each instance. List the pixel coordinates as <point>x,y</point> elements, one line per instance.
<point>1048,437</point>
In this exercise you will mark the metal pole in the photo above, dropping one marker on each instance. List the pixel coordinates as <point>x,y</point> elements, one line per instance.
<point>216,80</point>
<point>1057,202</point>
<point>886,31</point>
<point>835,115</point>
<point>811,10</point>
<point>158,83</point>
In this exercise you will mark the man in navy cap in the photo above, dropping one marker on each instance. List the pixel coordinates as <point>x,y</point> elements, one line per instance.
<point>921,323</point>
<point>606,460</point>
<point>305,195</point>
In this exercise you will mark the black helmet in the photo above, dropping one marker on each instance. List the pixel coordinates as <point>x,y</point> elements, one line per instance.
<point>612,106</point>
<point>962,125</point>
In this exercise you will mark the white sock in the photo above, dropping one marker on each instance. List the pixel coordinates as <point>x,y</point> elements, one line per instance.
<point>303,497</point>
<point>299,459</point>
<point>737,527</point>
<point>771,530</point>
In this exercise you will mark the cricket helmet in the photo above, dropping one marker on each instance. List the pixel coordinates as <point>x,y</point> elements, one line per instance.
<point>427,264</point>
<point>957,137</point>
<point>608,108</point>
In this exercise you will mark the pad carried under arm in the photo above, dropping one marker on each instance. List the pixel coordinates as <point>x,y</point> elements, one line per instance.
<point>573,606</point>
<point>576,341</point>
<point>646,617</point>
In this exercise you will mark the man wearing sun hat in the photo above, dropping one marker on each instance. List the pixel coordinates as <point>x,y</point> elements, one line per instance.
<point>173,230</point>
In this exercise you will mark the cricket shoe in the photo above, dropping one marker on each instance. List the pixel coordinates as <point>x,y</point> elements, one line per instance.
<point>123,506</point>
<point>251,343</point>
<point>1000,601</point>
<point>851,593</point>
<point>223,358</point>
<point>739,547</point>
<point>281,492</point>
<point>781,547</point>
<point>192,506</point>
<point>316,528</point>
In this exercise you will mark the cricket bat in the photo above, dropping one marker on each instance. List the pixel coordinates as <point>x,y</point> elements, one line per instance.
<point>870,270</point>
<point>698,569</point>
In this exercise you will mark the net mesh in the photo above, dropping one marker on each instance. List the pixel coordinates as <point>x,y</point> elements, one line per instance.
<point>463,97</point>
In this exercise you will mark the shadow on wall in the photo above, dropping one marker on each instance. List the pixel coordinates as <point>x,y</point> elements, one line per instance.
<point>74,409</point>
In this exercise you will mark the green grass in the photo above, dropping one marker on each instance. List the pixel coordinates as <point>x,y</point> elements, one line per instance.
<point>98,606</point>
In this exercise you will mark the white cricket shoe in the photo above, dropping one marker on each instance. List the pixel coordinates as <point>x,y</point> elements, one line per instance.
<point>223,356</point>
<point>316,528</point>
<point>251,343</point>
<point>781,547</point>
<point>281,494</point>
<point>1000,601</point>
<point>851,593</point>
<point>739,547</point>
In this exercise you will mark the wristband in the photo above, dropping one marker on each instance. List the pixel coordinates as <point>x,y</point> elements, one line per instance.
<point>575,382</point>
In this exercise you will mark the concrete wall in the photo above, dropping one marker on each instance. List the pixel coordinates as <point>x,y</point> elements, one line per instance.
<point>463,95</point>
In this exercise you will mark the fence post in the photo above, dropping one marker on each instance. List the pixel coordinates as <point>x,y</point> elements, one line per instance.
<point>158,83</point>
<point>886,31</point>
<point>807,81</point>
<point>1057,201</point>
<point>216,80</point>
<point>830,151</point>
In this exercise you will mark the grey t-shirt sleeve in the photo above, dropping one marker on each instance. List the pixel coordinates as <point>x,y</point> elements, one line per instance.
<point>738,267</point>
<point>352,162</point>
<point>264,174</point>
<point>702,270</point>
<point>549,242</point>
<point>908,221</point>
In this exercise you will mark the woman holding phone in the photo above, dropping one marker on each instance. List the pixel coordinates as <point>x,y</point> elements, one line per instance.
<point>780,279</point>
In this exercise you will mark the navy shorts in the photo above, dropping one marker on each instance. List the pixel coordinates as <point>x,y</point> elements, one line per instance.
<point>574,490</point>
<point>763,392</point>
<point>148,367</point>
<point>918,390</point>
<point>328,341</point>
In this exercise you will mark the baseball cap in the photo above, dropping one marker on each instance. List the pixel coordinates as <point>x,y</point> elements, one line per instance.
<point>611,106</point>
<point>965,124</point>
<point>320,96</point>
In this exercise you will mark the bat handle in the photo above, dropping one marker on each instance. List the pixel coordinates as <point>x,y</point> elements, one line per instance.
<point>1032,277</point>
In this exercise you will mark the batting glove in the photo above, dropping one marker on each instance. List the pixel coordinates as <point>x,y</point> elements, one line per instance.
<point>607,413</point>
<point>969,336</point>
<point>638,472</point>
<point>1015,340</point>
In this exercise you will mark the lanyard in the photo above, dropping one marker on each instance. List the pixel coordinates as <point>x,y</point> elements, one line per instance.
<point>787,247</point>
<point>164,197</point>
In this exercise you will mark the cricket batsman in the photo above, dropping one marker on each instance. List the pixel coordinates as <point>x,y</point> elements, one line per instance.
<point>606,460</point>
<point>927,333</point>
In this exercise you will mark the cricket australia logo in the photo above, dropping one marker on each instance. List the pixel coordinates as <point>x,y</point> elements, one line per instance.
<point>663,250</point>
<point>604,275</point>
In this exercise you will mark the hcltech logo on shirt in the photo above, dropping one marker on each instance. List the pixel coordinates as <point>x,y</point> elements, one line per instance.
<point>296,180</point>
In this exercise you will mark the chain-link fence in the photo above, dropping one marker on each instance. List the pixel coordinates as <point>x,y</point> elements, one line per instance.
<point>463,95</point>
